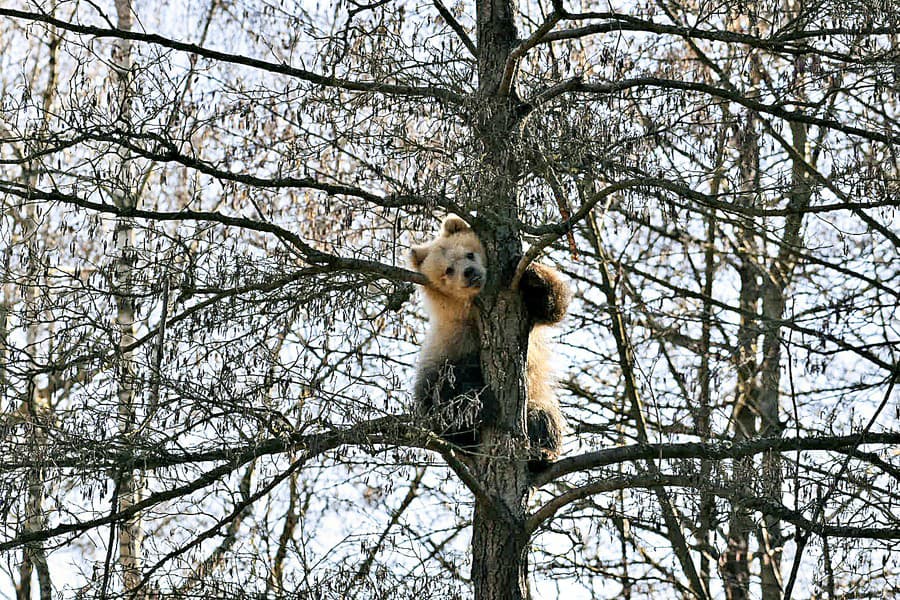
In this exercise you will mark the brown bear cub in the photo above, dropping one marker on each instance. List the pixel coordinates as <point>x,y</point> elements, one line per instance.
<point>449,383</point>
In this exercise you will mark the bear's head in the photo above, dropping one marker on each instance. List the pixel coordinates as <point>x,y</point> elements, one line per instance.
<point>453,262</point>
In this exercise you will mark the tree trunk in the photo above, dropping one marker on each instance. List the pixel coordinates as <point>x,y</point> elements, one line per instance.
<point>500,546</point>
<point>702,428</point>
<point>36,408</point>
<point>499,541</point>
<point>130,482</point>
<point>500,559</point>
<point>36,412</point>
<point>736,563</point>
<point>774,285</point>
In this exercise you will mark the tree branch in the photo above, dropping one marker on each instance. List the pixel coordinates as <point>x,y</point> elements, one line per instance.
<point>310,254</point>
<point>712,451</point>
<point>238,59</point>
<point>793,43</point>
<point>576,85</point>
<point>763,505</point>
<point>456,26</point>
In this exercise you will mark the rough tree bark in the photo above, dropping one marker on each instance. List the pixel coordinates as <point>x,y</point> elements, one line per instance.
<point>499,538</point>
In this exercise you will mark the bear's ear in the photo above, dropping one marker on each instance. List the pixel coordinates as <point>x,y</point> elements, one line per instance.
<point>418,254</point>
<point>453,224</point>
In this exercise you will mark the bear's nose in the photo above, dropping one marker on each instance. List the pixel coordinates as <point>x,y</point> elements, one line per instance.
<point>469,272</point>
<point>472,275</point>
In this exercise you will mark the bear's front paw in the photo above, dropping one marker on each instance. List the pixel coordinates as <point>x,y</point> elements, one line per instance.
<point>545,294</point>
<point>531,281</point>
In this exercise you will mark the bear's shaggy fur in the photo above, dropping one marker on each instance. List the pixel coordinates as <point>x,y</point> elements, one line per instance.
<point>449,382</point>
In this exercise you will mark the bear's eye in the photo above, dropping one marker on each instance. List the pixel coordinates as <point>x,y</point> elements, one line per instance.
<point>449,270</point>
<point>470,256</point>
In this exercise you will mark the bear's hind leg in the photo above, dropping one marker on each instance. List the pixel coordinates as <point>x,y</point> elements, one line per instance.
<point>455,397</point>
<point>545,435</point>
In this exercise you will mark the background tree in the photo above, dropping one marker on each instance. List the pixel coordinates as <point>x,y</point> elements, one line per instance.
<point>208,333</point>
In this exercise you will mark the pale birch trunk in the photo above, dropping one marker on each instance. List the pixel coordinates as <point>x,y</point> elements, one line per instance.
<point>129,481</point>
<point>35,409</point>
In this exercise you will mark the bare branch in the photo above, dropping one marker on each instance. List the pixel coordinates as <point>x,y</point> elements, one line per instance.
<point>238,59</point>
<point>578,86</point>
<point>456,26</point>
<point>310,254</point>
<point>765,506</point>
<point>713,451</point>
